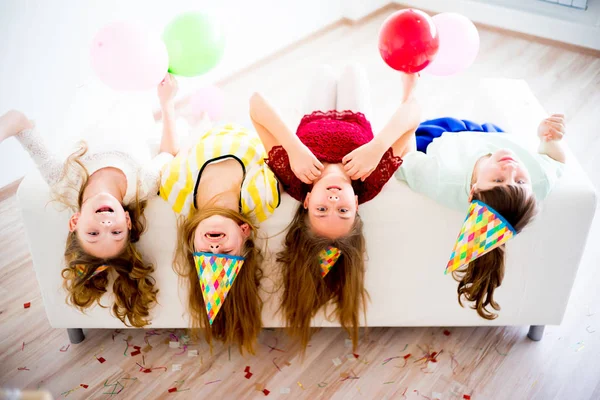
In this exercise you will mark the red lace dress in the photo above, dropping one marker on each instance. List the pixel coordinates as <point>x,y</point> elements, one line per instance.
<point>330,136</point>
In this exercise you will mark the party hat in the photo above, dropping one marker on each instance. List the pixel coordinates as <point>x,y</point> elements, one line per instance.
<point>328,258</point>
<point>216,273</point>
<point>484,229</point>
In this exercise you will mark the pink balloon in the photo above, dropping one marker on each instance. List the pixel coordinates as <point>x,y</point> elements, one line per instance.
<point>459,44</point>
<point>210,100</point>
<point>126,56</point>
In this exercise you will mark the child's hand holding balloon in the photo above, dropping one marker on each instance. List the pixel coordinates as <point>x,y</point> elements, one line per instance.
<point>167,90</point>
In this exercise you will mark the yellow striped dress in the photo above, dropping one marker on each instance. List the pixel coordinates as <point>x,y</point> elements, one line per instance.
<point>259,194</point>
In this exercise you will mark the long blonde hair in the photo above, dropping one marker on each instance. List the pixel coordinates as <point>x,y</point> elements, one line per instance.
<point>305,291</point>
<point>239,319</point>
<point>133,288</point>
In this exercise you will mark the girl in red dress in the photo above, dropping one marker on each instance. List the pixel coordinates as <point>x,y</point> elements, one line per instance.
<point>331,165</point>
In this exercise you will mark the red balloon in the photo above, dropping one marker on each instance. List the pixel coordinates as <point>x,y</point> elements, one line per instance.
<point>408,40</point>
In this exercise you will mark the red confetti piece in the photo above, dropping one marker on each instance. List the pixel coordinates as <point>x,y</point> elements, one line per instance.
<point>247,369</point>
<point>23,369</point>
<point>446,332</point>
<point>64,349</point>
<point>135,353</point>
<point>266,392</point>
<point>407,356</point>
<point>147,371</point>
<point>355,355</point>
<point>172,390</point>
<point>83,385</point>
<point>248,375</point>
<point>101,359</point>
<point>466,396</point>
<point>27,305</point>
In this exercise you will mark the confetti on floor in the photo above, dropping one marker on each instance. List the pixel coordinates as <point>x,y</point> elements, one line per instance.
<point>23,369</point>
<point>68,392</point>
<point>64,349</point>
<point>208,383</point>
<point>301,385</point>
<point>176,367</point>
<point>579,345</point>
<point>387,360</point>
<point>174,345</point>
<point>83,385</point>
<point>286,390</point>
<point>266,392</point>
<point>322,384</point>
<point>192,353</point>
<point>337,362</point>
<point>277,366</point>
<point>588,329</point>
<point>101,360</point>
<point>446,332</point>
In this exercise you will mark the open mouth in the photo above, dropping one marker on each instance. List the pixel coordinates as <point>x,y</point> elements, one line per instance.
<point>334,188</point>
<point>104,210</point>
<point>214,235</point>
<point>507,159</point>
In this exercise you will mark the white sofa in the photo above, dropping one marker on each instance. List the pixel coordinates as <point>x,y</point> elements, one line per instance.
<point>409,240</point>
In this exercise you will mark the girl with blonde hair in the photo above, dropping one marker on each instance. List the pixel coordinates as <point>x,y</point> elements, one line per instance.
<point>107,189</point>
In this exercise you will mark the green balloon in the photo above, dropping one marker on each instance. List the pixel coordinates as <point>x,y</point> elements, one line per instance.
<point>195,43</point>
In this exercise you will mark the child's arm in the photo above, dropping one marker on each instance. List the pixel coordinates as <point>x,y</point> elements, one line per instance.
<point>397,133</point>
<point>167,90</point>
<point>273,131</point>
<point>15,123</point>
<point>551,131</point>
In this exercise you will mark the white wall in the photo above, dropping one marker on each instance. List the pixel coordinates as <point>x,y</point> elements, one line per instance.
<point>44,55</point>
<point>533,17</point>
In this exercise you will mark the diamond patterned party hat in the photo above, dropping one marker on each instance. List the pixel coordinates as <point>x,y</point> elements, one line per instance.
<point>328,258</point>
<point>484,229</point>
<point>216,273</point>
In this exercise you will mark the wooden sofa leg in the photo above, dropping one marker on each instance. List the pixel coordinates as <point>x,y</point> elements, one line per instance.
<point>536,332</point>
<point>75,335</point>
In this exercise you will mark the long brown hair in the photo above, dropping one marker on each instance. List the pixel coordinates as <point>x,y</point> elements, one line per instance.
<point>305,291</point>
<point>479,279</point>
<point>239,320</point>
<point>133,288</point>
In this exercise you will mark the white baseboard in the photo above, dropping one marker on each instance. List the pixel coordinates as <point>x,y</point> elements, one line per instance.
<point>550,21</point>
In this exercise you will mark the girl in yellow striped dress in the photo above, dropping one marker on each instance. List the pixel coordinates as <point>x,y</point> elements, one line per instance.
<point>222,188</point>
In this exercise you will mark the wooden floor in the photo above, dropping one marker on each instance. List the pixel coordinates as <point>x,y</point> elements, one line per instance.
<point>485,363</point>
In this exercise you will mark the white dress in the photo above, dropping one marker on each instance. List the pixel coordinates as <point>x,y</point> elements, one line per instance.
<point>134,160</point>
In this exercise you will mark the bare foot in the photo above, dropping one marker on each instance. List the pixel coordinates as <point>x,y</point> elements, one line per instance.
<point>12,123</point>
